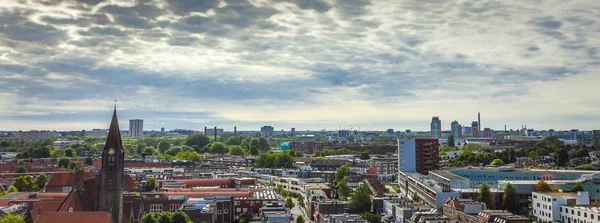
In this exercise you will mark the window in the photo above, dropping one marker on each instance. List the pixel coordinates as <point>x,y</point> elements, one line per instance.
<point>226,211</point>
<point>246,209</point>
<point>252,203</point>
<point>70,209</point>
<point>156,208</point>
<point>67,189</point>
<point>174,207</point>
<point>24,204</point>
<point>578,213</point>
<point>238,210</point>
<point>219,212</point>
<point>592,216</point>
<point>584,215</point>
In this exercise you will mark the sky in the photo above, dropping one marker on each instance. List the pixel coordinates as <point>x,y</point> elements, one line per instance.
<point>308,64</point>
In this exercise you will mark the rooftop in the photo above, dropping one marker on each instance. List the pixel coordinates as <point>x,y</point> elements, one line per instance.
<point>448,175</point>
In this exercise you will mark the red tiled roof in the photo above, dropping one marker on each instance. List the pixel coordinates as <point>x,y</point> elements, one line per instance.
<point>204,182</point>
<point>80,217</point>
<point>66,178</point>
<point>76,200</point>
<point>372,170</point>
<point>209,193</point>
<point>208,189</point>
<point>46,206</point>
<point>50,195</point>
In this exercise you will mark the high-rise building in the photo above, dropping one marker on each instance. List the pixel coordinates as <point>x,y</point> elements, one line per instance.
<point>466,130</point>
<point>574,134</point>
<point>96,133</point>
<point>475,129</point>
<point>479,121</point>
<point>456,129</point>
<point>136,128</point>
<point>267,130</point>
<point>389,132</point>
<point>342,134</point>
<point>488,133</point>
<point>436,127</point>
<point>293,132</point>
<point>162,129</point>
<point>418,155</point>
<point>596,134</point>
<point>110,184</point>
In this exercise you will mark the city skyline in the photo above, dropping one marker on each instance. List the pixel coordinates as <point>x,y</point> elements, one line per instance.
<point>304,64</point>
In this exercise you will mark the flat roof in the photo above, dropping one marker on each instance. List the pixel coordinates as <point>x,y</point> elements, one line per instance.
<point>448,175</point>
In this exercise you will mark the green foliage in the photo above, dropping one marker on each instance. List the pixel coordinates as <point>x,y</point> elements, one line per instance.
<point>166,217</point>
<point>341,172</point>
<point>509,199</point>
<point>446,148</point>
<point>10,218</point>
<point>275,160</point>
<point>72,165</point>
<point>149,184</point>
<point>451,141</point>
<point>577,187</point>
<point>163,146</point>
<point>218,148</point>
<point>289,203</point>
<point>148,218</point>
<point>149,150</point>
<point>180,217</point>
<point>41,180</point>
<point>533,154</point>
<point>497,162</point>
<point>371,217</point>
<point>12,189</point>
<point>583,152</point>
<point>23,183</point>
<point>300,219</point>
<point>263,144</point>
<point>586,166</point>
<point>21,169</point>
<point>253,151</point>
<point>199,140</point>
<point>343,191</point>
<point>471,147</point>
<point>234,140</point>
<point>27,217</point>
<point>89,161</point>
<point>561,157</point>
<point>236,150</point>
<point>70,152</point>
<point>361,200</point>
<point>254,143</point>
<point>485,195</point>
<point>57,153</point>
<point>331,152</point>
<point>364,156</point>
<point>191,156</point>
<point>64,162</point>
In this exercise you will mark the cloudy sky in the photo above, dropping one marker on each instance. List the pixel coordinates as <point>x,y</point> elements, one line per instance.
<point>309,64</point>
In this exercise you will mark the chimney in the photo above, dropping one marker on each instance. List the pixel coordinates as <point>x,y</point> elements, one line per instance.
<point>234,130</point>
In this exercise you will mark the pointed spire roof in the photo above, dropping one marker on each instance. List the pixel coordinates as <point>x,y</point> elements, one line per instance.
<point>114,134</point>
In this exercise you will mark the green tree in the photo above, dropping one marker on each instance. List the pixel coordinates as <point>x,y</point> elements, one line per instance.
<point>533,154</point>
<point>451,141</point>
<point>12,189</point>
<point>21,163</point>
<point>173,151</point>
<point>542,186</point>
<point>236,150</point>
<point>341,172</point>
<point>41,180</point>
<point>343,191</point>
<point>149,150</point>
<point>10,218</point>
<point>509,199</point>
<point>234,140</point>
<point>253,151</point>
<point>300,219</point>
<point>191,156</point>
<point>561,157</point>
<point>364,156</point>
<point>289,203</point>
<point>23,183</point>
<point>72,165</point>
<point>165,217</point>
<point>57,153</point>
<point>163,146</point>
<point>497,162</point>
<point>361,200</point>
<point>64,162</point>
<point>254,142</point>
<point>485,195</point>
<point>21,169</point>
<point>371,217</point>
<point>218,148</point>
<point>197,139</point>
<point>583,152</point>
<point>577,187</point>
<point>149,184</point>
<point>89,161</point>
<point>70,152</point>
<point>180,217</point>
<point>148,218</point>
<point>263,144</point>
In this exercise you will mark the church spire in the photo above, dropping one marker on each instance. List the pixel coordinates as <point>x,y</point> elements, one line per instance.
<point>114,134</point>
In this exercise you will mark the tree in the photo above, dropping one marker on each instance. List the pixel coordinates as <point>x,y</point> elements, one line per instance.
<point>57,153</point>
<point>236,150</point>
<point>21,163</point>
<point>364,156</point>
<point>263,144</point>
<point>150,184</point>
<point>341,172</point>
<point>509,199</point>
<point>234,140</point>
<point>253,151</point>
<point>10,218</point>
<point>583,152</point>
<point>371,217</point>
<point>197,139</point>
<point>70,152</point>
<point>254,142</point>
<point>12,189</point>
<point>497,162</point>
<point>165,217</point>
<point>191,156</point>
<point>64,162</point>
<point>300,219</point>
<point>21,169</point>
<point>27,218</point>
<point>72,165</point>
<point>361,200</point>
<point>289,203</point>
<point>163,146</point>
<point>23,183</point>
<point>41,180</point>
<point>533,154</point>
<point>218,148</point>
<point>89,161</point>
<point>149,150</point>
<point>561,157</point>
<point>484,195</point>
<point>542,186</point>
<point>451,141</point>
<point>577,187</point>
<point>343,191</point>
<point>148,218</point>
<point>180,217</point>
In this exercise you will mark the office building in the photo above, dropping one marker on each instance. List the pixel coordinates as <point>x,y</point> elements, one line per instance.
<point>488,133</point>
<point>574,134</point>
<point>162,129</point>
<point>475,129</point>
<point>136,128</point>
<point>343,134</point>
<point>267,130</point>
<point>466,130</point>
<point>418,155</point>
<point>293,132</point>
<point>553,206</point>
<point>436,127</point>
<point>456,129</point>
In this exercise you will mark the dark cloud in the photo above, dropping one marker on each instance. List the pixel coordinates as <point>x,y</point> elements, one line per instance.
<point>183,41</point>
<point>59,21</point>
<point>128,16</point>
<point>242,14</point>
<point>549,24</point>
<point>317,5</point>
<point>184,7</point>
<point>108,31</point>
<point>31,32</point>
<point>351,9</point>
<point>91,2</point>
<point>533,48</point>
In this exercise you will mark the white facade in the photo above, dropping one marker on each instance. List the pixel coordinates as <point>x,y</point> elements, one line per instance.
<point>136,128</point>
<point>547,206</point>
<point>407,155</point>
<point>580,214</point>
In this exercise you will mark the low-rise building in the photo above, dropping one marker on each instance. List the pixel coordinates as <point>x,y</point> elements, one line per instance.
<point>549,206</point>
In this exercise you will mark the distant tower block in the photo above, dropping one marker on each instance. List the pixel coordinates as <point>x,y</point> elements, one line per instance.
<point>234,130</point>
<point>205,130</point>
<point>479,121</point>
<point>215,133</point>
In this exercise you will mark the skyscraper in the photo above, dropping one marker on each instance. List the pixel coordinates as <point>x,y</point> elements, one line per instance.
<point>110,185</point>
<point>456,129</point>
<point>479,121</point>
<point>475,129</point>
<point>574,134</point>
<point>293,131</point>
<point>436,127</point>
<point>136,128</point>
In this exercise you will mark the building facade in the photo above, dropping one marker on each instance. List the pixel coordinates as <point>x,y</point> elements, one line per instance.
<point>549,207</point>
<point>456,130</point>
<point>136,128</point>
<point>488,133</point>
<point>36,135</point>
<point>475,129</point>
<point>436,127</point>
<point>267,130</point>
<point>418,155</point>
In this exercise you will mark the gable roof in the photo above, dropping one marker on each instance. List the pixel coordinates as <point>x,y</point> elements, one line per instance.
<point>66,178</point>
<point>77,200</point>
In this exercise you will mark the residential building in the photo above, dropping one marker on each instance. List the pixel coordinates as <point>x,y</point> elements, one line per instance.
<point>136,128</point>
<point>512,219</point>
<point>418,155</point>
<point>475,129</point>
<point>436,127</point>
<point>425,187</point>
<point>36,135</point>
<point>456,130</point>
<point>574,134</point>
<point>465,210</point>
<point>96,133</point>
<point>343,218</point>
<point>550,206</point>
<point>579,213</point>
<point>267,130</point>
<point>401,209</point>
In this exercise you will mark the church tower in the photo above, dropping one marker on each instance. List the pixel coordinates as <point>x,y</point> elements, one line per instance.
<point>110,177</point>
